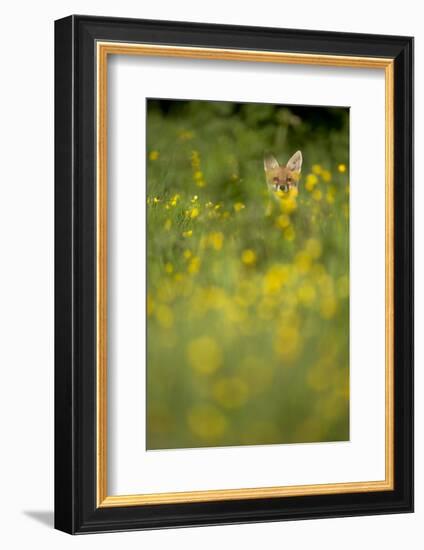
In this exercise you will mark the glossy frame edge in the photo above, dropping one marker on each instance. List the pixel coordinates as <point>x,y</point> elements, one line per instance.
<point>103,49</point>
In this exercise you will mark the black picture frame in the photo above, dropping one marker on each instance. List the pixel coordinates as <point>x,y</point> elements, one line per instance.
<point>76,510</point>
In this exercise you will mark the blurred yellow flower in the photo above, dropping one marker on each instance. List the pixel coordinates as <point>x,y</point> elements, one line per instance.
<point>288,204</point>
<point>174,200</point>
<point>303,261</point>
<point>164,316</point>
<point>169,268</point>
<point>311,182</point>
<point>313,248</point>
<point>239,206</point>
<point>283,221</point>
<point>150,305</point>
<point>248,257</point>
<point>154,155</point>
<point>330,197</point>
<point>231,392</point>
<point>204,355</point>
<point>194,265</point>
<point>342,168</point>
<point>216,240</point>
<point>287,342</point>
<point>326,176</point>
<point>317,169</point>
<point>306,294</point>
<point>276,276</point>
<point>206,422</point>
<point>185,135</point>
<point>188,233</point>
<point>195,159</point>
<point>198,175</point>
<point>194,212</point>
<point>317,195</point>
<point>328,307</point>
<point>289,233</point>
<point>187,254</point>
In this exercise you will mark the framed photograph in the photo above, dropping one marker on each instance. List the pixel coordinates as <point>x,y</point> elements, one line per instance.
<point>234,274</point>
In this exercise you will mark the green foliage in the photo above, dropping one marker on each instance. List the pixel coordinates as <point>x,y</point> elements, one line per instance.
<point>248,294</point>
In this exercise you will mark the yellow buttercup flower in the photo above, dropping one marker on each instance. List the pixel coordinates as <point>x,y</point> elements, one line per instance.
<point>328,307</point>
<point>303,262</point>
<point>289,233</point>
<point>311,182</point>
<point>317,169</point>
<point>206,422</point>
<point>194,212</point>
<point>313,248</point>
<point>288,203</point>
<point>231,392</point>
<point>164,316</point>
<point>154,155</point>
<point>194,265</point>
<point>174,200</point>
<point>330,197</point>
<point>239,206</point>
<point>306,294</point>
<point>216,240</point>
<point>342,168</point>
<point>276,276</point>
<point>287,342</point>
<point>188,233</point>
<point>248,257</point>
<point>185,135</point>
<point>326,176</point>
<point>283,221</point>
<point>204,355</point>
<point>150,305</point>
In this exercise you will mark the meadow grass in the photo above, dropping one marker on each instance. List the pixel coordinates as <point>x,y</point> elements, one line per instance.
<point>248,296</point>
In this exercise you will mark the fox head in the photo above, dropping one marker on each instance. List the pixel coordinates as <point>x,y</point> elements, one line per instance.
<point>281,179</point>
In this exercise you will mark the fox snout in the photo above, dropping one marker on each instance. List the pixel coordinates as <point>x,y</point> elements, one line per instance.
<point>281,185</point>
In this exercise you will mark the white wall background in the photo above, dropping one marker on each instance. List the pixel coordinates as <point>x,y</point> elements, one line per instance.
<point>26,273</point>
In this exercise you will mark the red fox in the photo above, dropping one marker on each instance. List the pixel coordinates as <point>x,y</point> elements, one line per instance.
<point>281,179</point>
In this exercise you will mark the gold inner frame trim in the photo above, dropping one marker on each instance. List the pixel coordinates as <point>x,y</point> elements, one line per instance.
<point>104,49</point>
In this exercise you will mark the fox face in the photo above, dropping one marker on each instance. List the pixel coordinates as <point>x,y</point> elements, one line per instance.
<point>281,179</point>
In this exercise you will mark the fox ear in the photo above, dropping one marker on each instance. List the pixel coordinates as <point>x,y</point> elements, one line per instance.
<point>295,163</point>
<point>270,163</point>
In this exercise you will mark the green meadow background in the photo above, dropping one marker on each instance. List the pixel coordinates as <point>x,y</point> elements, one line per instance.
<point>248,296</point>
